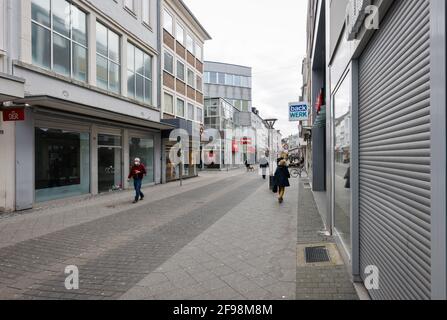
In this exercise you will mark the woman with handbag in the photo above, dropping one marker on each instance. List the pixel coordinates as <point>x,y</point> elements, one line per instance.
<point>282,176</point>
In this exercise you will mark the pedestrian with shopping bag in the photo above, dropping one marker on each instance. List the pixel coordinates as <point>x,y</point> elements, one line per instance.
<point>137,172</point>
<point>282,176</point>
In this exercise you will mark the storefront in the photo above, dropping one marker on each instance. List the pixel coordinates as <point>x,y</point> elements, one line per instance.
<point>386,178</point>
<point>65,155</point>
<point>181,149</point>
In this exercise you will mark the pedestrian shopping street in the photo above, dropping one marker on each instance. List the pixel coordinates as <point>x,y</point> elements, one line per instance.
<point>220,236</point>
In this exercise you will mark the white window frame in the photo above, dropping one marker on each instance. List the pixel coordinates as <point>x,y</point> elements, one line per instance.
<point>146,12</point>
<point>119,62</point>
<point>130,5</point>
<point>167,13</point>
<point>184,70</point>
<point>177,27</point>
<point>165,93</point>
<point>189,37</point>
<point>193,85</point>
<point>151,100</point>
<point>70,39</point>
<point>173,62</point>
<point>184,108</point>
<point>198,49</point>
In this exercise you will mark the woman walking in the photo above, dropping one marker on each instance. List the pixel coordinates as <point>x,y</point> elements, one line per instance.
<point>264,164</point>
<point>282,176</point>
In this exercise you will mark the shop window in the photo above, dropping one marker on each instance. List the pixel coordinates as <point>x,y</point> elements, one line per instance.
<point>62,164</point>
<point>143,148</point>
<point>342,159</point>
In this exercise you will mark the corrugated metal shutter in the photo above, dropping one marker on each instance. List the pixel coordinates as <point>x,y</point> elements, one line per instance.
<point>395,163</point>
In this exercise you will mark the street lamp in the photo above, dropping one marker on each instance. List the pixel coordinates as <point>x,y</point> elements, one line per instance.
<point>270,124</point>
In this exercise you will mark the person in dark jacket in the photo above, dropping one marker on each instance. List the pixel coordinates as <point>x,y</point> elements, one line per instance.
<point>282,176</point>
<point>137,172</point>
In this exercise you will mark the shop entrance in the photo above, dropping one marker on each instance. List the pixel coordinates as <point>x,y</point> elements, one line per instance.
<point>110,163</point>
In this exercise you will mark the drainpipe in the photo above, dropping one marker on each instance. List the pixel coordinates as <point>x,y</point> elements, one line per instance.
<point>8,41</point>
<point>159,84</point>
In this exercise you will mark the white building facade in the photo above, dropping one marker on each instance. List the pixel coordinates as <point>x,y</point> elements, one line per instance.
<point>90,102</point>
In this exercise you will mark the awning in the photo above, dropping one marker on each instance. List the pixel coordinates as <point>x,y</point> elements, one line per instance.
<point>89,111</point>
<point>11,88</point>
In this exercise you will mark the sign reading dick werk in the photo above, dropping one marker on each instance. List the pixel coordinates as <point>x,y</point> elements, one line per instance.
<point>298,111</point>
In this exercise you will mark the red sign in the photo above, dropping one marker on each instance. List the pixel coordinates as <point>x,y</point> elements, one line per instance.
<point>235,146</point>
<point>13,115</point>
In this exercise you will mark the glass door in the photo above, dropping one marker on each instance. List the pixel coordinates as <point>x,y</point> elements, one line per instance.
<point>110,155</point>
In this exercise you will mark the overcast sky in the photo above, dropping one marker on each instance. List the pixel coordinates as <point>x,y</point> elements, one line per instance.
<point>270,37</point>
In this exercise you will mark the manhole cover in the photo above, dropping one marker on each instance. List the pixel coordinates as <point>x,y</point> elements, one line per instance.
<point>317,255</point>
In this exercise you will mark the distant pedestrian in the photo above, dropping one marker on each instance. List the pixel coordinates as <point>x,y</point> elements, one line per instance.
<point>137,172</point>
<point>282,176</point>
<point>347,177</point>
<point>264,164</point>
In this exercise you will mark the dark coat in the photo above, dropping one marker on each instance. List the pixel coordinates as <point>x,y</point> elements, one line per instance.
<point>282,176</point>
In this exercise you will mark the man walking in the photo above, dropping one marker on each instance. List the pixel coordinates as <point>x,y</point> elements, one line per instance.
<point>137,172</point>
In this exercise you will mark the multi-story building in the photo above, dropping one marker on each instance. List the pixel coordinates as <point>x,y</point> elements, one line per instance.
<point>82,78</point>
<point>384,80</point>
<point>253,128</point>
<point>225,150</point>
<point>230,82</point>
<point>182,92</point>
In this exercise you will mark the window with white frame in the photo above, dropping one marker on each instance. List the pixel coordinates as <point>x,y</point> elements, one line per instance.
<point>146,11</point>
<point>139,74</point>
<point>189,44</point>
<point>190,78</point>
<point>180,108</point>
<point>199,115</point>
<point>199,84</point>
<point>168,62</point>
<point>199,52</point>
<point>180,34</point>
<point>130,4</point>
<point>168,103</point>
<point>190,112</point>
<point>168,22</point>
<point>180,70</point>
<point>107,59</point>
<point>59,38</point>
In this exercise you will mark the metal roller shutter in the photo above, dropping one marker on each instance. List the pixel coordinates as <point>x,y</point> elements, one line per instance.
<point>394,145</point>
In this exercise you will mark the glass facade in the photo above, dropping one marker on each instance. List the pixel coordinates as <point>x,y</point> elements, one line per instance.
<point>143,148</point>
<point>227,79</point>
<point>342,160</point>
<point>62,164</point>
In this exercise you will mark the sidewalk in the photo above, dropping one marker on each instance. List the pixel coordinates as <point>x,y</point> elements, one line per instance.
<point>325,281</point>
<point>57,215</point>
<point>249,254</point>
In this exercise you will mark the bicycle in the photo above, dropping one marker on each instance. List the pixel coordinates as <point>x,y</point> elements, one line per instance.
<point>295,173</point>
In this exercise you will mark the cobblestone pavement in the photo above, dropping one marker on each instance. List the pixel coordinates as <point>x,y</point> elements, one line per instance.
<point>319,281</point>
<point>220,236</point>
